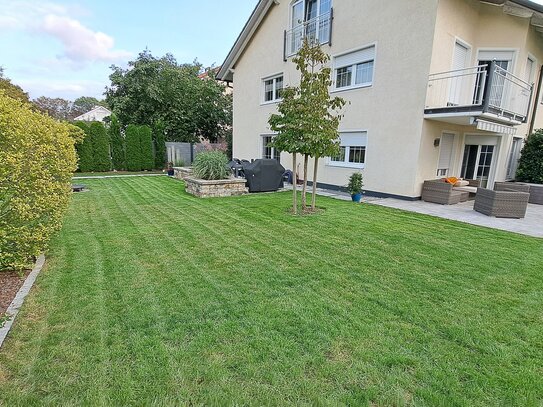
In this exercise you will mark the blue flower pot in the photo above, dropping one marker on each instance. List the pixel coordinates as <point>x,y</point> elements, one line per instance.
<point>356,197</point>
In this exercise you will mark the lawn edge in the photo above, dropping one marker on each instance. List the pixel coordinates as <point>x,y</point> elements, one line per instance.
<point>18,301</point>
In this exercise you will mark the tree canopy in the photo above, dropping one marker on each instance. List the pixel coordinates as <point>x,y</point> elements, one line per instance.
<point>153,90</point>
<point>10,89</point>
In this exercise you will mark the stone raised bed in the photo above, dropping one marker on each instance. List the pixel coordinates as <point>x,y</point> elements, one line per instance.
<point>213,189</point>
<point>182,172</point>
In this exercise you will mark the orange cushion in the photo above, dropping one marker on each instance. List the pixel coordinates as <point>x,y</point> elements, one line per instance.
<point>451,180</point>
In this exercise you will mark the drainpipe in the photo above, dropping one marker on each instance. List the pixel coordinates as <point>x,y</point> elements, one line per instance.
<point>537,100</point>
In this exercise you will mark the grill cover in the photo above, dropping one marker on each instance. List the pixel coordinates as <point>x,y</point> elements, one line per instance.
<point>264,175</point>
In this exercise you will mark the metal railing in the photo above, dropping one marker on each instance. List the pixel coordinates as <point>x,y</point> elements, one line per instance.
<point>317,30</point>
<point>488,88</point>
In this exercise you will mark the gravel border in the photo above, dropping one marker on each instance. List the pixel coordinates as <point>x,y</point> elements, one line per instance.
<point>17,302</point>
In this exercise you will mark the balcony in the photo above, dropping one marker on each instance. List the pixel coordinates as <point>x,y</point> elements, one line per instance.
<point>317,30</point>
<point>480,92</point>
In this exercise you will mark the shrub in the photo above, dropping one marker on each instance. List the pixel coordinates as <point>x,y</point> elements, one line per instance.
<point>132,140</point>
<point>84,148</point>
<point>159,140</point>
<point>116,141</point>
<point>355,183</point>
<point>211,165</point>
<point>146,148</point>
<point>37,159</point>
<point>100,147</point>
<point>530,167</point>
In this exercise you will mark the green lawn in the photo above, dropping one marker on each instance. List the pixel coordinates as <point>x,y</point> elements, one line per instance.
<point>105,174</point>
<point>154,297</point>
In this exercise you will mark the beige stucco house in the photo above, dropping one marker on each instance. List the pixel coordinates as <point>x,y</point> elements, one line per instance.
<point>436,87</point>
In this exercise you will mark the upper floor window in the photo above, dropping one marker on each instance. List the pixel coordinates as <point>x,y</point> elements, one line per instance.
<point>309,19</point>
<point>272,88</point>
<point>354,69</point>
<point>352,150</point>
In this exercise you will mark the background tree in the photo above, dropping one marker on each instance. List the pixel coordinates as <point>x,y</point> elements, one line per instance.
<point>146,148</point>
<point>159,89</point>
<point>100,147</point>
<point>11,90</point>
<point>57,108</point>
<point>159,141</point>
<point>530,167</point>
<point>117,144</point>
<point>84,149</point>
<point>132,140</point>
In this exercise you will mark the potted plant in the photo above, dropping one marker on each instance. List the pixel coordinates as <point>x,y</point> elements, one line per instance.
<point>171,171</point>
<point>355,186</point>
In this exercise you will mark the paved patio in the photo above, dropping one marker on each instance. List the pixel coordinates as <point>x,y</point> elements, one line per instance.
<point>531,225</point>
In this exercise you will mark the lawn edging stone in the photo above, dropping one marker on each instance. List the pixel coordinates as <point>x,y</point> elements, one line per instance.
<point>18,301</point>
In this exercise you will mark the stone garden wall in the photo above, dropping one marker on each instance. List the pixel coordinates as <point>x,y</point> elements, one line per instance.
<point>219,188</point>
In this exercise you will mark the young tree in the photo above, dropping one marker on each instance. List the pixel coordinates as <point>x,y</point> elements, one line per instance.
<point>133,156</point>
<point>159,142</point>
<point>100,147</point>
<point>84,149</point>
<point>530,166</point>
<point>116,141</point>
<point>308,118</point>
<point>146,148</point>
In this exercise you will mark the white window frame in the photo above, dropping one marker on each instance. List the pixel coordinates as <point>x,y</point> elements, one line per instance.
<point>263,145</point>
<point>354,85</point>
<point>263,88</point>
<point>450,170</point>
<point>345,163</point>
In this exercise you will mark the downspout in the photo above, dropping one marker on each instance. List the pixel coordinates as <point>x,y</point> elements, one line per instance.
<point>537,100</point>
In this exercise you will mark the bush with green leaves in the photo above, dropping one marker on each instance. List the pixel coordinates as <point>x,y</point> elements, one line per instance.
<point>132,140</point>
<point>37,160</point>
<point>116,141</point>
<point>530,167</point>
<point>211,165</point>
<point>100,147</point>
<point>146,148</point>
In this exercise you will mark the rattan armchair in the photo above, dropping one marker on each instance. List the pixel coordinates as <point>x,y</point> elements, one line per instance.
<point>501,204</point>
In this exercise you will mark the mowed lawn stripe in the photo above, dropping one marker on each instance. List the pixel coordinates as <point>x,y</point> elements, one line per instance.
<point>234,301</point>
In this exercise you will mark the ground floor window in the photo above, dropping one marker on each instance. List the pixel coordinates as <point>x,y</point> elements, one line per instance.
<point>514,156</point>
<point>352,150</point>
<point>268,151</point>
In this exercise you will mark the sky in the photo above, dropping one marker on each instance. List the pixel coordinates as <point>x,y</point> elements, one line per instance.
<point>64,48</point>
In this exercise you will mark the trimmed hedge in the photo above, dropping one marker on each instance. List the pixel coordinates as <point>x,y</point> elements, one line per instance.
<point>100,147</point>
<point>530,167</point>
<point>84,149</point>
<point>37,160</point>
<point>146,148</point>
<point>139,148</point>
<point>116,140</point>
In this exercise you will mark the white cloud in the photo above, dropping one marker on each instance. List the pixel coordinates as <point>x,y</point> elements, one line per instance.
<point>67,89</point>
<point>80,43</point>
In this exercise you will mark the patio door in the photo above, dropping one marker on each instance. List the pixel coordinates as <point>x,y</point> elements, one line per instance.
<point>478,162</point>
<point>503,61</point>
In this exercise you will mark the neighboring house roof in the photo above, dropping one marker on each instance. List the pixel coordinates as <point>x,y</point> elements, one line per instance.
<point>97,109</point>
<point>263,6</point>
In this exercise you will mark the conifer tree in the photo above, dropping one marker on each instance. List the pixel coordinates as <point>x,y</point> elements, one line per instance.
<point>116,141</point>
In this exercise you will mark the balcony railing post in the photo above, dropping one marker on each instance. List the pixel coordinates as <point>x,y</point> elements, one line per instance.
<point>330,26</point>
<point>488,86</point>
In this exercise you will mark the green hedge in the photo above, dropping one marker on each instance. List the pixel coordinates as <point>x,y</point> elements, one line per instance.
<point>139,148</point>
<point>93,150</point>
<point>530,167</point>
<point>37,159</point>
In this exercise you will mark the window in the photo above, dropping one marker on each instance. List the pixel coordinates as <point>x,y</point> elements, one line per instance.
<point>311,19</point>
<point>514,155</point>
<point>269,152</point>
<point>355,69</point>
<point>446,148</point>
<point>352,150</point>
<point>272,89</point>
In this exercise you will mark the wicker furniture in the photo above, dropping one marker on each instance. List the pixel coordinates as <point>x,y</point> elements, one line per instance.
<point>441,192</point>
<point>536,194</point>
<point>511,186</point>
<point>501,204</point>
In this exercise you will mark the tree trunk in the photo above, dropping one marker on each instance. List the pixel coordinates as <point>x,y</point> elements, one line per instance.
<point>314,196</point>
<point>304,189</point>
<point>294,182</point>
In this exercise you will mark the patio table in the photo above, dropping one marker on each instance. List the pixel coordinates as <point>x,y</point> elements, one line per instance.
<point>471,190</point>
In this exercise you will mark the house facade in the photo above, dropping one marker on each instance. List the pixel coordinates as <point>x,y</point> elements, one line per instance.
<point>435,87</point>
<point>97,114</point>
